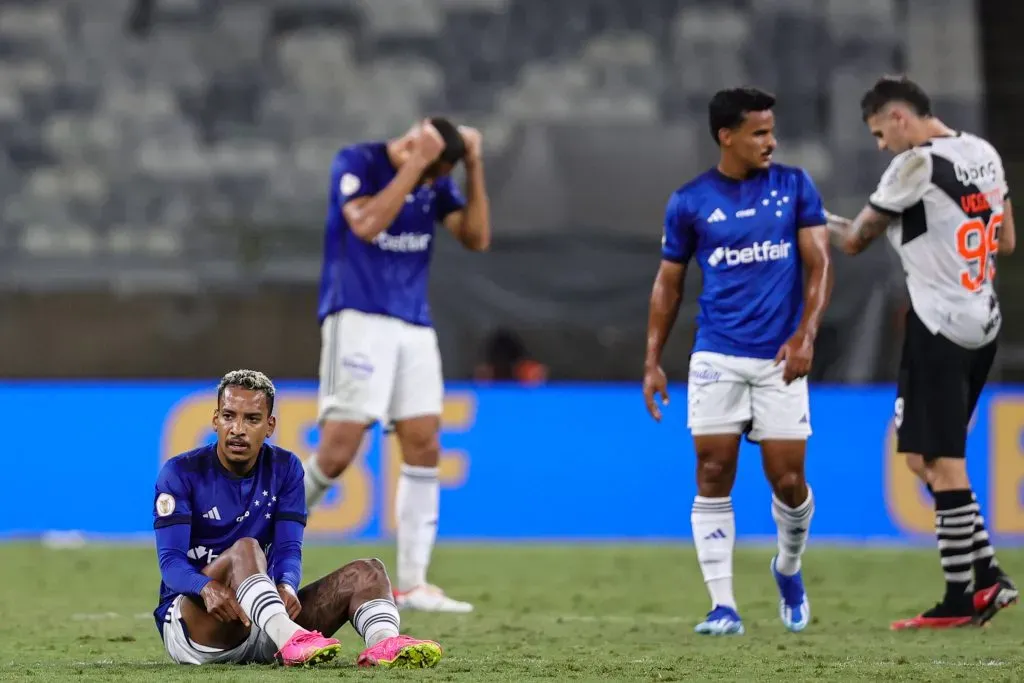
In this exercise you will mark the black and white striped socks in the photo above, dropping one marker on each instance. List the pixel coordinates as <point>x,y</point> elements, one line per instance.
<point>262,603</point>
<point>956,514</point>
<point>376,620</point>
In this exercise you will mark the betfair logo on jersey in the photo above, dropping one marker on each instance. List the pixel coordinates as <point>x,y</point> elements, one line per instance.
<point>404,242</point>
<point>201,553</point>
<point>758,252</point>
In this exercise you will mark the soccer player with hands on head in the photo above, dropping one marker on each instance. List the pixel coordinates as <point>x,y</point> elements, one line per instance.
<point>756,229</point>
<point>380,361</point>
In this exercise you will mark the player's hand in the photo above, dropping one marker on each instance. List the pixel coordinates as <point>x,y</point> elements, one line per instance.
<point>291,601</point>
<point>222,604</point>
<point>655,384</point>
<point>797,353</point>
<point>474,143</point>
<point>427,143</point>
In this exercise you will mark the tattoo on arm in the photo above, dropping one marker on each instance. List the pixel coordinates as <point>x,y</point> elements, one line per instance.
<point>855,236</point>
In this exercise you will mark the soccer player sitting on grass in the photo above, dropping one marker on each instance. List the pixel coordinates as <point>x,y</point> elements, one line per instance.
<point>229,520</point>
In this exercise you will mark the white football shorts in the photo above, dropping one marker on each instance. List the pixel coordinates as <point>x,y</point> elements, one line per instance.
<point>729,395</point>
<point>374,368</point>
<point>257,649</point>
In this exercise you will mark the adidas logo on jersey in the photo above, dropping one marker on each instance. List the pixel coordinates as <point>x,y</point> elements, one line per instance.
<point>212,513</point>
<point>758,252</point>
<point>716,215</point>
<point>405,242</point>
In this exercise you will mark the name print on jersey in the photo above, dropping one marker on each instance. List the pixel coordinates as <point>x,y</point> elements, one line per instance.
<point>758,252</point>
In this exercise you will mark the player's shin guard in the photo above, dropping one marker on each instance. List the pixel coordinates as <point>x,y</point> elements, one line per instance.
<point>316,482</point>
<point>714,533</point>
<point>955,517</point>
<point>262,603</point>
<point>417,503</point>
<point>376,620</point>
<point>793,525</point>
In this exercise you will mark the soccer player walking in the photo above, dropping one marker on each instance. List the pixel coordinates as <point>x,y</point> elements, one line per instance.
<point>757,231</point>
<point>946,207</point>
<point>379,359</point>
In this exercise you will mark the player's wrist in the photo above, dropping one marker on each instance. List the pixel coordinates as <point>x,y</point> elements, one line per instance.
<point>202,586</point>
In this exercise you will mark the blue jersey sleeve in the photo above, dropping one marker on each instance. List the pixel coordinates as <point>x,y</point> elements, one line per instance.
<point>810,210</point>
<point>287,553</point>
<point>449,197</point>
<point>679,239</point>
<point>289,525</point>
<point>291,505</point>
<point>172,522</point>
<point>351,176</point>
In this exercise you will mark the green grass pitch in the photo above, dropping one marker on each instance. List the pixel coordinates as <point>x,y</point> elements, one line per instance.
<point>544,613</point>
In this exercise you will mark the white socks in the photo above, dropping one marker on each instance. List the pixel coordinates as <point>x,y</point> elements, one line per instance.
<point>793,525</point>
<point>261,602</point>
<point>417,502</point>
<point>376,620</point>
<point>714,534</point>
<point>316,482</point>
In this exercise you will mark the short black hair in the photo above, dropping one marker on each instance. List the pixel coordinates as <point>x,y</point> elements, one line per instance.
<point>728,108</point>
<point>454,145</point>
<point>253,380</point>
<point>895,89</point>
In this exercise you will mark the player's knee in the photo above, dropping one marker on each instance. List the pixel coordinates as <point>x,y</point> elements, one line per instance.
<point>369,574</point>
<point>790,488</point>
<point>711,470</point>
<point>421,448</point>
<point>915,463</point>
<point>339,443</point>
<point>247,549</point>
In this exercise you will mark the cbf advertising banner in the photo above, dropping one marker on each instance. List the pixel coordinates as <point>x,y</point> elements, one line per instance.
<point>564,462</point>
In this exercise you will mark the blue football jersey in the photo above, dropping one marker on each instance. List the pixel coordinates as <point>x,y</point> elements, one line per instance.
<point>388,276</point>
<point>743,235</point>
<point>200,510</point>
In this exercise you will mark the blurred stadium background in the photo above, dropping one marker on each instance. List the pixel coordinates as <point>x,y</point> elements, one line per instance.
<point>163,181</point>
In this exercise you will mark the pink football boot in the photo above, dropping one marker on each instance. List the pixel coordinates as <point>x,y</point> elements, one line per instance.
<point>401,652</point>
<point>308,648</point>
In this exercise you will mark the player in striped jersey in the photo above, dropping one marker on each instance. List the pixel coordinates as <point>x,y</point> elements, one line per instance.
<point>945,205</point>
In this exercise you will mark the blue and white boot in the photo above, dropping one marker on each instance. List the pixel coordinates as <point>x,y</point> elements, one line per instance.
<point>721,621</point>
<point>794,608</point>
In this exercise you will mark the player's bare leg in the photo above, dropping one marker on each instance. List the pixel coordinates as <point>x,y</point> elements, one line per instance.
<point>993,589</point>
<point>792,509</point>
<point>243,589</point>
<point>360,593</point>
<point>714,528</point>
<point>417,504</point>
<point>340,443</point>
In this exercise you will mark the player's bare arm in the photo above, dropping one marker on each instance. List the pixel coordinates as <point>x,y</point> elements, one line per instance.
<point>666,295</point>
<point>370,216</point>
<point>472,225</point>
<point>798,352</point>
<point>853,237</point>
<point>1008,232</point>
